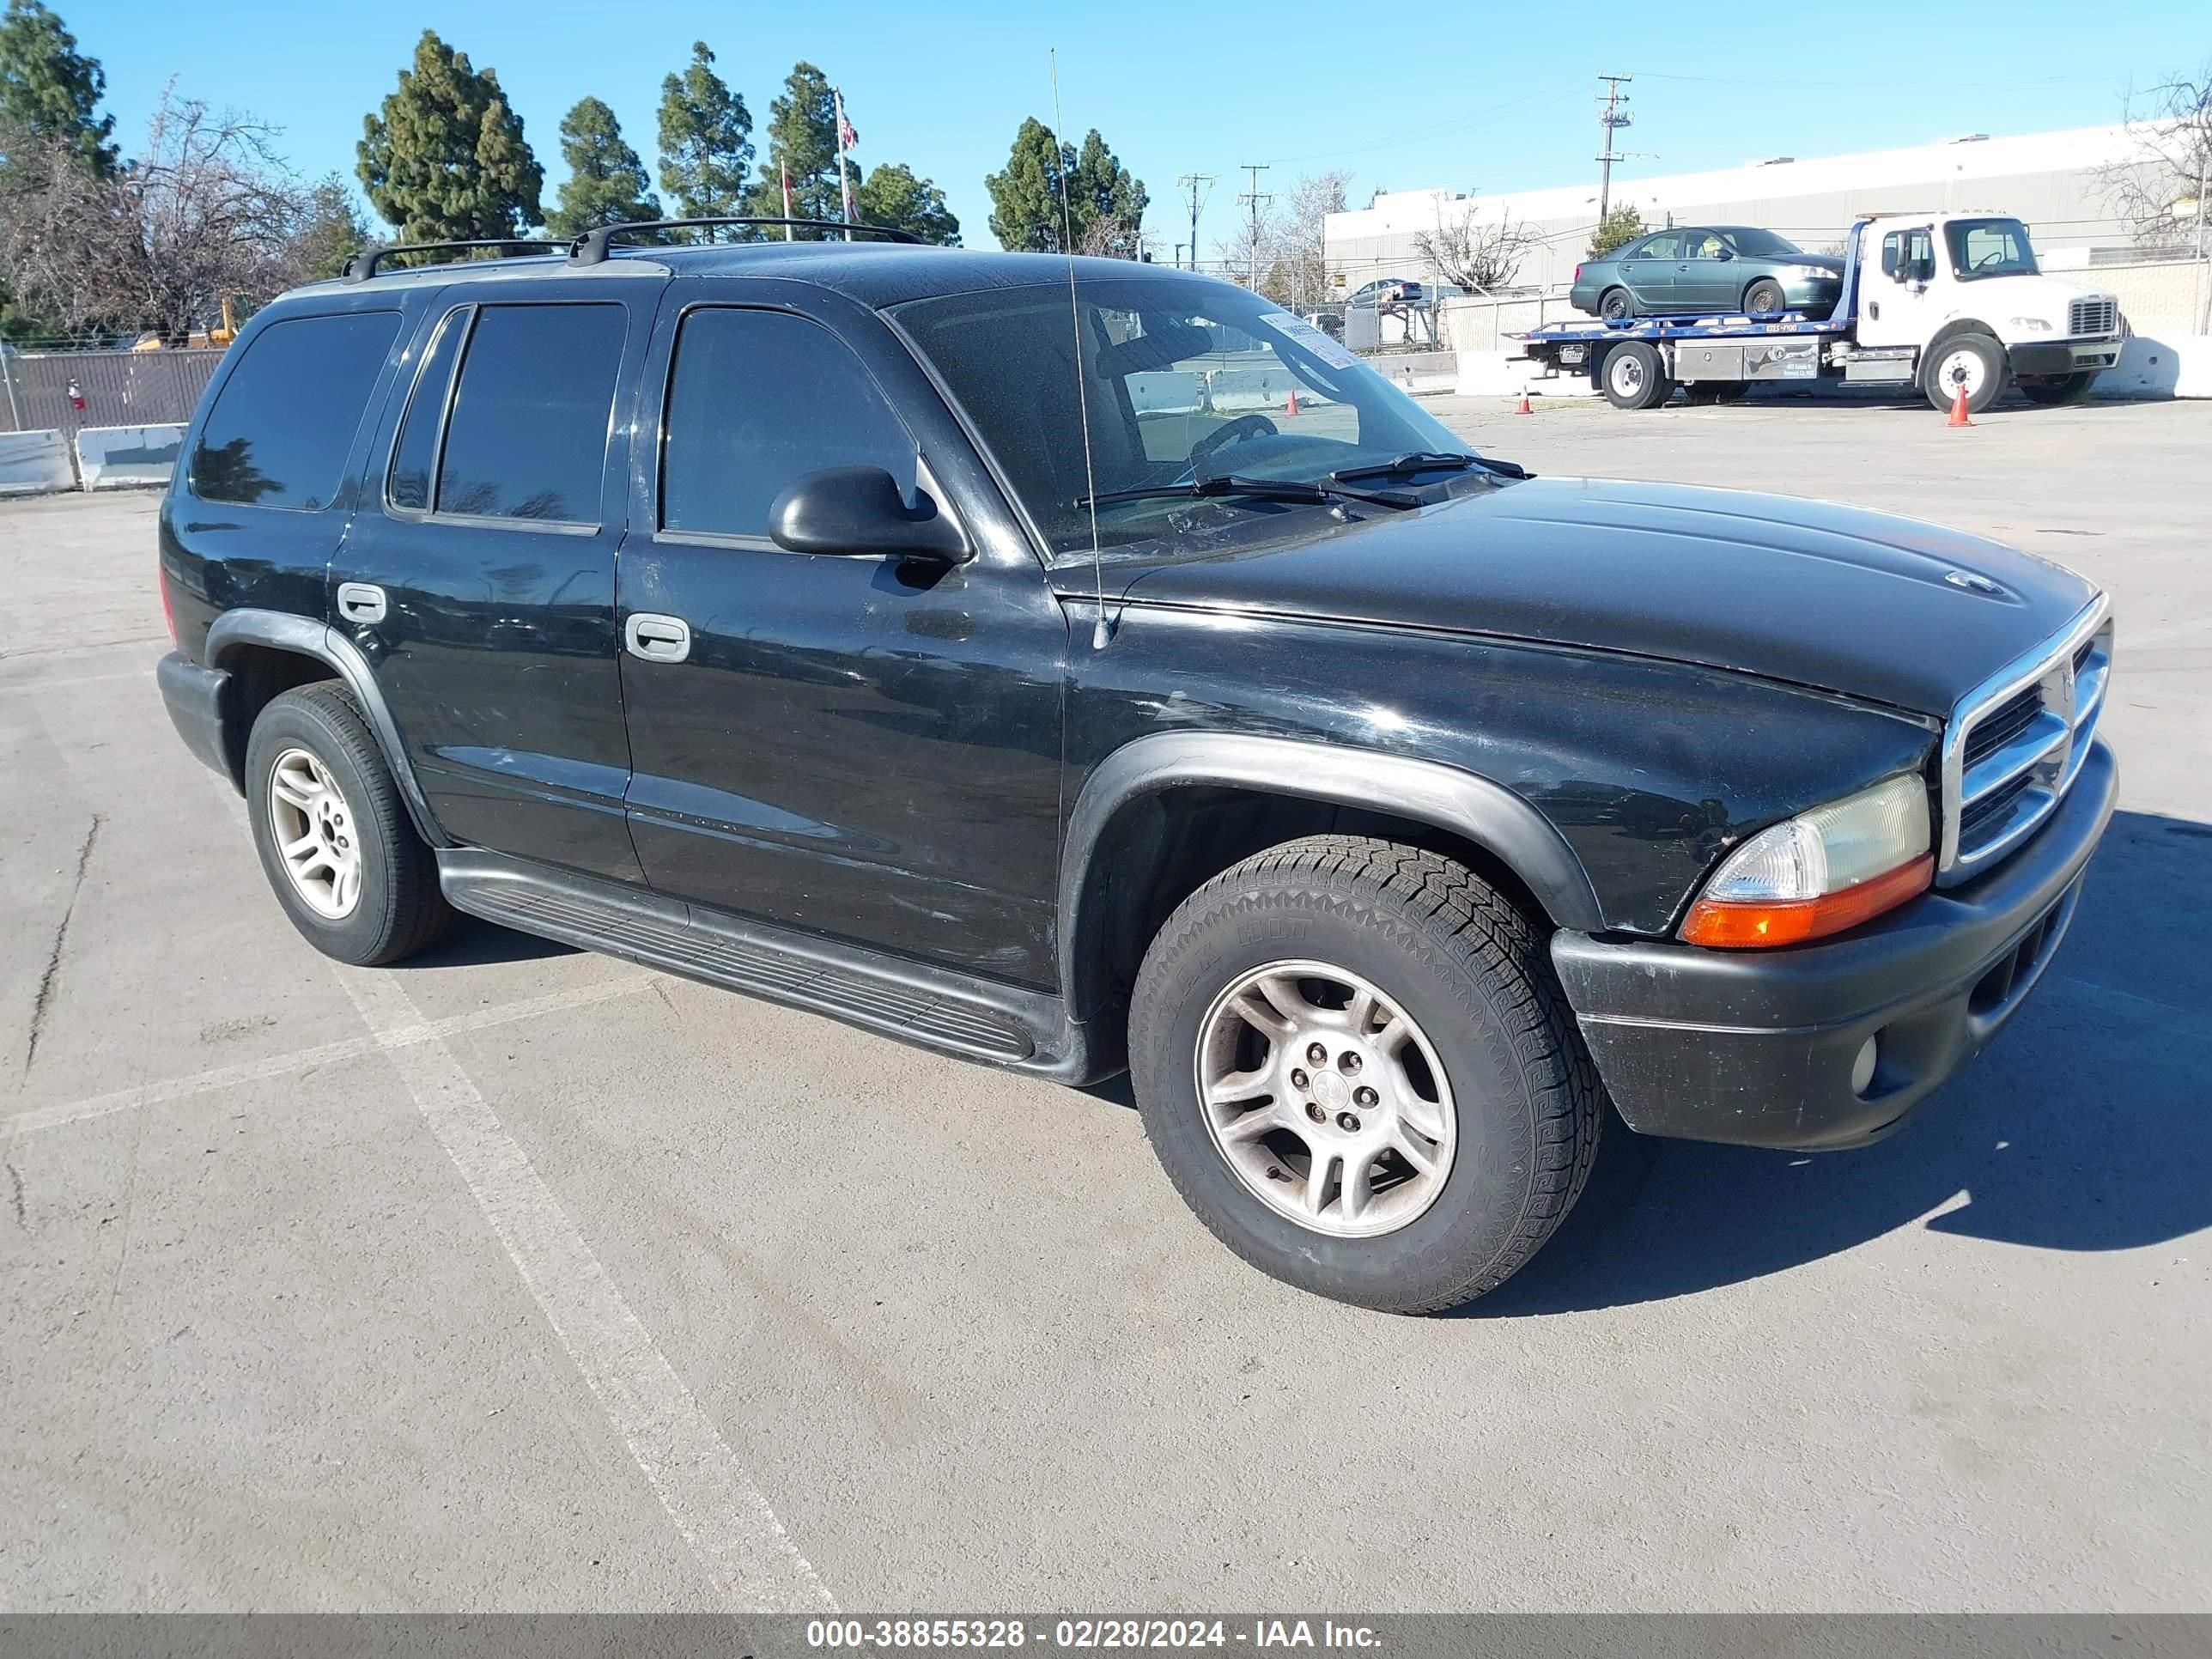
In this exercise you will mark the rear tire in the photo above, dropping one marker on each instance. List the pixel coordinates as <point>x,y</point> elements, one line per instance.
<point>1765,295</point>
<point>1632,377</point>
<point>1976,362</point>
<point>2052,389</point>
<point>1487,1073</point>
<point>1614,305</point>
<point>1713,391</point>
<point>334,836</point>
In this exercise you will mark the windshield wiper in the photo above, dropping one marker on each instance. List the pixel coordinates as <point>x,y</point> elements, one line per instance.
<point>1426,460</point>
<point>1223,485</point>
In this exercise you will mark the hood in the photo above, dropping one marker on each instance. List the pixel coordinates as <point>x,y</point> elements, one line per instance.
<point>1804,591</point>
<point>1999,299</point>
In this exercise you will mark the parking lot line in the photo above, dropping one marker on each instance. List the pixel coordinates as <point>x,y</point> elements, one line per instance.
<point>296,1060</point>
<point>749,1556</point>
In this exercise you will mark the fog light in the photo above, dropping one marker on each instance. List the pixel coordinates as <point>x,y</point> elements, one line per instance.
<point>1863,1066</point>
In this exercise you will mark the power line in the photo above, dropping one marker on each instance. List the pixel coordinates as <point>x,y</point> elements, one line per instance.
<point>1192,182</point>
<point>1614,117</point>
<point>1255,201</point>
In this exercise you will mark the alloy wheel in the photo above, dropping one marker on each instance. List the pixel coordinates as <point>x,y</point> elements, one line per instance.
<point>1325,1098</point>
<point>315,834</point>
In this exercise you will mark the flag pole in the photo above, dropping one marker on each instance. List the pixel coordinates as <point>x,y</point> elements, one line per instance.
<point>844,179</point>
<point>785,166</point>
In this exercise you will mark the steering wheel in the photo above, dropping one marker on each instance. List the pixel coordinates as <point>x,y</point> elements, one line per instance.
<point>1995,256</point>
<point>1231,432</point>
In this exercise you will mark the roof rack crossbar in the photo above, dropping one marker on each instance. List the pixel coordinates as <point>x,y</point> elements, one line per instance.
<point>593,246</point>
<point>362,265</point>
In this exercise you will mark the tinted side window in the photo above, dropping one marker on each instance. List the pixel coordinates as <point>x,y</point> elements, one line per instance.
<point>1666,245</point>
<point>527,437</point>
<point>417,453</point>
<point>758,398</point>
<point>278,434</point>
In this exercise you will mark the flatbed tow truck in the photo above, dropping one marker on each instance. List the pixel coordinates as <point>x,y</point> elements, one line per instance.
<point>1949,301</point>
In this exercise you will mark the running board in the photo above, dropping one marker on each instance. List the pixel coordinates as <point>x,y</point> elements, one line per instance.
<point>935,1007</point>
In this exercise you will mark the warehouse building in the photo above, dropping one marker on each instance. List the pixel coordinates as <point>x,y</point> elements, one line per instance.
<point>2058,182</point>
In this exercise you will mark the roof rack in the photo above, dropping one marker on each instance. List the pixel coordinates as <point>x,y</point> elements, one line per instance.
<point>362,265</point>
<point>591,247</point>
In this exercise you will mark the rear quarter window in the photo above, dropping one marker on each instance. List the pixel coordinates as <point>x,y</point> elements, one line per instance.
<point>284,421</point>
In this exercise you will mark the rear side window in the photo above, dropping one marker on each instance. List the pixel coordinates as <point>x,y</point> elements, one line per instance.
<point>527,436</point>
<point>1666,247</point>
<point>416,454</point>
<point>283,423</point>
<point>758,398</point>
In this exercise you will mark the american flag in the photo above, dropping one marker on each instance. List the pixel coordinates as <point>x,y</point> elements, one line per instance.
<point>847,138</point>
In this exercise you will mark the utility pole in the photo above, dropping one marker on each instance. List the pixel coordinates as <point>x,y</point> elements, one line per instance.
<point>1194,183</point>
<point>1610,120</point>
<point>1254,200</point>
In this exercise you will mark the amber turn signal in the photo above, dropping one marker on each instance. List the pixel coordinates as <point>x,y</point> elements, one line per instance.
<point>1751,924</point>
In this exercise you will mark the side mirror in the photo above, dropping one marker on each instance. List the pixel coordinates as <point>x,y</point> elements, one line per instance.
<point>858,511</point>
<point>1724,252</point>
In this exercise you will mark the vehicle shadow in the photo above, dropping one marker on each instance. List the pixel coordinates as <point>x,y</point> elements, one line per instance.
<point>2084,1127</point>
<point>473,942</point>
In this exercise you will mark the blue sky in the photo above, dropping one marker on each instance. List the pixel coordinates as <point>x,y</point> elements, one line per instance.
<point>1472,97</point>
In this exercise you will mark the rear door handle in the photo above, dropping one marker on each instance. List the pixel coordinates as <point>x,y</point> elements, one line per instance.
<point>657,638</point>
<point>360,602</point>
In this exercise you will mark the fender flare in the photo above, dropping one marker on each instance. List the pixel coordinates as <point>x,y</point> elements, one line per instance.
<point>1466,804</point>
<point>307,636</point>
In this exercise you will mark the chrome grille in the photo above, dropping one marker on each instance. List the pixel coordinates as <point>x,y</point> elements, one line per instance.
<point>2093,317</point>
<point>2017,741</point>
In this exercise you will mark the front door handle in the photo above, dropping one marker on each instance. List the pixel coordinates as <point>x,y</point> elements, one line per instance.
<point>657,638</point>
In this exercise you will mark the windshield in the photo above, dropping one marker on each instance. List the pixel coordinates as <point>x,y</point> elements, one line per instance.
<point>1187,377</point>
<point>1989,247</point>
<point>1763,245</point>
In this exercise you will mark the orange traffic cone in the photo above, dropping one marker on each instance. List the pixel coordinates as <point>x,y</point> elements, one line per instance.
<point>1959,408</point>
<point>1521,408</point>
<point>1291,406</point>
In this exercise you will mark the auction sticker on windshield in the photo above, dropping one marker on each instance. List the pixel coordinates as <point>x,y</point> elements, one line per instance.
<point>1298,329</point>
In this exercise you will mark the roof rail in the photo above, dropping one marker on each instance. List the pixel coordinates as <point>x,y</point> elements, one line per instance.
<point>591,247</point>
<point>362,265</point>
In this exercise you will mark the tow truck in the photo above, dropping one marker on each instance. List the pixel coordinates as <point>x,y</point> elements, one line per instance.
<point>1947,301</point>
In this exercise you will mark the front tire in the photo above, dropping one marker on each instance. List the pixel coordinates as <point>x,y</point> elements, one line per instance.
<point>1765,296</point>
<point>334,836</point>
<point>1354,1063</point>
<point>1975,361</point>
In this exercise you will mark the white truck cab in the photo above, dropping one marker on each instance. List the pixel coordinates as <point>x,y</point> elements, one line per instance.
<point>1964,291</point>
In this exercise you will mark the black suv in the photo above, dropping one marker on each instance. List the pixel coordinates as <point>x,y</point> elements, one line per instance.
<point>1081,666</point>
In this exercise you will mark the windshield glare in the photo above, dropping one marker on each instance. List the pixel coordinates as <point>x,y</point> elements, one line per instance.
<point>1186,377</point>
<point>1989,247</point>
<point>1763,244</point>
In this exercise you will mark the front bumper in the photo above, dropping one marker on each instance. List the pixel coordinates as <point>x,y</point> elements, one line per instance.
<point>2062,356</point>
<point>1756,1048</point>
<point>198,699</point>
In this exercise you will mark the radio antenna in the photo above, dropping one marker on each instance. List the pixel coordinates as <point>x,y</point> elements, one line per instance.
<point>1099,633</point>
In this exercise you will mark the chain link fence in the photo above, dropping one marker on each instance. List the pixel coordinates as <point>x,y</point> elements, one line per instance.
<point>116,388</point>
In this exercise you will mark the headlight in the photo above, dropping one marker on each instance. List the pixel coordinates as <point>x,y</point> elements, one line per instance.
<point>1820,872</point>
<point>2033,324</point>
<point>1814,271</point>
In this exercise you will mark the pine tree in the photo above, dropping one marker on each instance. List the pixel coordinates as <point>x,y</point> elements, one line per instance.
<point>445,160</point>
<point>892,197</point>
<point>1105,206</point>
<point>1619,226</point>
<point>802,138</point>
<point>330,232</point>
<point>706,141</point>
<point>49,88</point>
<point>606,181</point>
<point>1108,202</point>
<point>1025,210</point>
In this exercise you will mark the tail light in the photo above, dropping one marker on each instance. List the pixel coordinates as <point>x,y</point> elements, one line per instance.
<point>1578,273</point>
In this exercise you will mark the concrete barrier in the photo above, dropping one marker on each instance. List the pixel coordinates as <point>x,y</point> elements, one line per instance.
<point>122,457</point>
<point>2160,366</point>
<point>32,463</point>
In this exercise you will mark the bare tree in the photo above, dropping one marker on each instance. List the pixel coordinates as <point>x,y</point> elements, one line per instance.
<point>2160,191</point>
<point>1477,258</point>
<point>206,210</point>
<point>1294,249</point>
